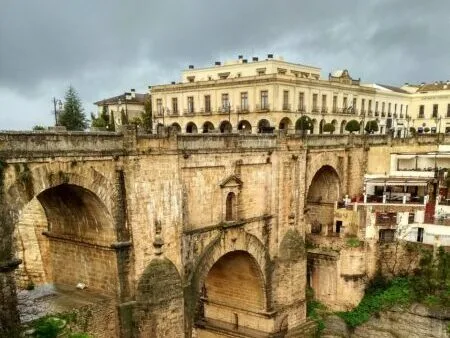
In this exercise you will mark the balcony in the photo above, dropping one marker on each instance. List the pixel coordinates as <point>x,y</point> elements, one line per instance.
<point>377,113</point>
<point>224,110</point>
<point>370,113</point>
<point>363,112</point>
<point>421,115</point>
<point>301,108</point>
<point>262,107</point>
<point>204,111</point>
<point>188,112</point>
<point>243,109</point>
<point>324,110</point>
<point>315,109</point>
<point>286,107</point>
<point>174,113</point>
<point>383,114</point>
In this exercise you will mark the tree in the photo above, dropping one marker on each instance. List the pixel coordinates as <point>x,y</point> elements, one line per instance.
<point>303,124</point>
<point>37,127</point>
<point>371,127</point>
<point>412,131</point>
<point>352,126</point>
<point>426,129</point>
<point>72,116</point>
<point>146,116</point>
<point>328,128</point>
<point>101,122</point>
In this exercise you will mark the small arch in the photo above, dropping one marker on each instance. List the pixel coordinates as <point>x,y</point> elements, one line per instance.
<point>245,127</point>
<point>225,127</point>
<point>191,128</point>
<point>176,128</point>
<point>322,123</point>
<point>208,127</point>
<point>285,125</point>
<point>264,127</point>
<point>343,123</point>
<point>230,207</point>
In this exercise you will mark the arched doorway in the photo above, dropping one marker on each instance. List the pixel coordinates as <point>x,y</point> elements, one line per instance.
<point>264,127</point>
<point>225,127</point>
<point>176,128</point>
<point>343,124</point>
<point>322,123</point>
<point>191,128</point>
<point>285,125</point>
<point>245,127</point>
<point>323,192</point>
<point>208,127</point>
<point>234,285</point>
<point>335,124</point>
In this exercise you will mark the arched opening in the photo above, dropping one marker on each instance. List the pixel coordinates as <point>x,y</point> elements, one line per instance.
<point>245,127</point>
<point>191,128</point>
<point>322,123</point>
<point>208,127</point>
<point>230,207</point>
<point>343,123</point>
<point>176,128</point>
<point>264,127</point>
<point>234,292</point>
<point>285,125</point>
<point>323,192</point>
<point>225,127</point>
<point>334,123</point>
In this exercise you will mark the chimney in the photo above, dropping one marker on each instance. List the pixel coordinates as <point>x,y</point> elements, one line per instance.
<point>133,93</point>
<point>240,57</point>
<point>270,56</point>
<point>191,66</point>
<point>217,63</point>
<point>255,58</point>
<point>244,61</point>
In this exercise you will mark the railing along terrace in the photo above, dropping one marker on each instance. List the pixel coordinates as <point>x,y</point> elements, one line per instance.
<point>301,108</point>
<point>262,107</point>
<point>286,107</point>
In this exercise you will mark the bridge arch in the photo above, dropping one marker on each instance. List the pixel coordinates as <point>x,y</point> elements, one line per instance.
<point>323,191</point>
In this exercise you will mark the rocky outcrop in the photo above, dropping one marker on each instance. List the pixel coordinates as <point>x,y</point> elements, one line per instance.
<point>416,322</point>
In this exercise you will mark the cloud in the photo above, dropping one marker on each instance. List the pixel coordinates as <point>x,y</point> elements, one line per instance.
<point>104,47</point>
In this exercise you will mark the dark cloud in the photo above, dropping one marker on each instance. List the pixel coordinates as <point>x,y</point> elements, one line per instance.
<point>103,47</point>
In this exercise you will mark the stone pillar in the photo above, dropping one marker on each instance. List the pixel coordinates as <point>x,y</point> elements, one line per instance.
<point>123,255</point>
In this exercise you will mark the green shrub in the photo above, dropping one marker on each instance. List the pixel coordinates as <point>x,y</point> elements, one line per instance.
<point>352,126</point>
<point>328,128</point>
<point>353,242</point>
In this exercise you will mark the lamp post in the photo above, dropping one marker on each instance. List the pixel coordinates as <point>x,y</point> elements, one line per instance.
<point>57,112</point>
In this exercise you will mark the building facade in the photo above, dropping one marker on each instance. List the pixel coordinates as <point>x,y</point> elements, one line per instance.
<point>273,95</point>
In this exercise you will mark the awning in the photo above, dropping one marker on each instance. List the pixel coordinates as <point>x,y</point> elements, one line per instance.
<point>413,182</point>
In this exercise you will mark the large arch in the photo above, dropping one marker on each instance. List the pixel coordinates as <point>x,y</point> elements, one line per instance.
<point>244,127</point>
<point>343,124</point>
<point>176,128</point>
<point>191,128</point>
<point>225,127</point>
<point>230,242</point>
<point>323,192</point>
<point>285,125</point>
<point>314,126</point>
<point>321,124</point>
<point>208,127</point>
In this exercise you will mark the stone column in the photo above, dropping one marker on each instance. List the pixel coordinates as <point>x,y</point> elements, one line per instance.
<point>122,247</point>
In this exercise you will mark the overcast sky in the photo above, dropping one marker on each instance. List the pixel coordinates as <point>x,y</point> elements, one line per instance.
<point>104,47</point>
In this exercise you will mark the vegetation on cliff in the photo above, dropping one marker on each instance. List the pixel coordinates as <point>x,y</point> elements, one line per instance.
<point>430,284</point>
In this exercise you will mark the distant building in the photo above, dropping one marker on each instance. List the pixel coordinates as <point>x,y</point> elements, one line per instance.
<point>130,103</point>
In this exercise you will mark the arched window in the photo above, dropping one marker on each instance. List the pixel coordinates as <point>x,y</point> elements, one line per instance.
<point>230,214</point>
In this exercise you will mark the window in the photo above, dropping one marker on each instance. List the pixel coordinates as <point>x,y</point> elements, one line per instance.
<point>448,110</point>
<point>334,103</point>
<point>401,108</point>
<point>174,105</point>
<point>324,103</point>
<point>207,103</point>
<point>264,99</point>
<point>159,106</point>
<point>230,208</point>
<point>314,103</point>
<point>344,102</point>
<point>244,101</point>
<point>389,107</point>
<point>190,104</point>
<point>406,110</point>
<point>301,101</point>
<point>363,105</point>
<point>383,107</point>
<point>435,110</point>
<point>395,108</point>
<point>225,102</point>
<point>370,106</point>
<point>354,103</point>
<point>420,235</point>
<point>285,100</point>
<point>421,111</point>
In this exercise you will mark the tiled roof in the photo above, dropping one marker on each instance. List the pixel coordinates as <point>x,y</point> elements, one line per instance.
<point>428,87</point>
<point>139,98</point>
<point>394,89</point>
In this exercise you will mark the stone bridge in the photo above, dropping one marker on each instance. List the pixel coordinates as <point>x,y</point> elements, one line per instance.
<point>190,235</point>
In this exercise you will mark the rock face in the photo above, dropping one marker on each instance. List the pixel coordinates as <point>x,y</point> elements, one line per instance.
<point>416,322</point>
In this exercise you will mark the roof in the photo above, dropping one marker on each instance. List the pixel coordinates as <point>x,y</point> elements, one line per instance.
<point>139,98</point>
<point>428,87</point>
<point>394,89</point>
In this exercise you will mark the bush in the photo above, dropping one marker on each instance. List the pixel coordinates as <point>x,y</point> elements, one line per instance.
<point>328,128</point>
<point>426,129</point>
<point>371,127</point>
<point>352,126</point>
<point>304,123</point>
<point>37,127</point>
<point>353,242</point>
<point>412,131</point>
